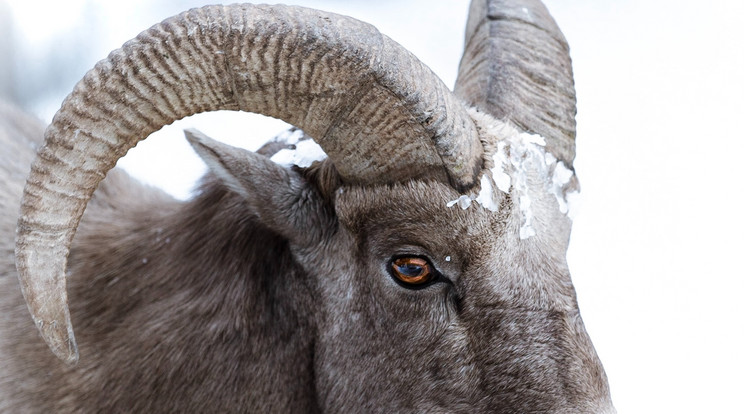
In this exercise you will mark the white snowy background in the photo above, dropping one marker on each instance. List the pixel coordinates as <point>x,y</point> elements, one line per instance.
<point>656,247</point>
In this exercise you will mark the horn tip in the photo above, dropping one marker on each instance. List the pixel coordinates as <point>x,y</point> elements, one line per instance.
<point>60,339</point>
<point>46,298</point>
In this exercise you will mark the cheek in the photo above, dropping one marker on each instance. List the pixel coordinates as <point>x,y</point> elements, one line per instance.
<point>365,303</point>
<point>395,361</point>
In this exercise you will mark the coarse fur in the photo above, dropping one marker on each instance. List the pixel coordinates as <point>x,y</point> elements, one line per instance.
<point>157,279</point>
<point>272,290</point>
<point>200,307</point>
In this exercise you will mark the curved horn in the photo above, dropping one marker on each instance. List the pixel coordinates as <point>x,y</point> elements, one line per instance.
<point>516,66</point>
<point>378,112</point>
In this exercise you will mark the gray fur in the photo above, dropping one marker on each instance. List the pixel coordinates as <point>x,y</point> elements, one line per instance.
<point>270,292</point>
<point>212,305</point>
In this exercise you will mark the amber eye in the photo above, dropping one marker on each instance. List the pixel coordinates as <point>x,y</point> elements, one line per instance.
<point>412,270</point>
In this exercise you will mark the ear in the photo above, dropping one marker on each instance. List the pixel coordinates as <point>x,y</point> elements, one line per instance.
<point>279,197</point>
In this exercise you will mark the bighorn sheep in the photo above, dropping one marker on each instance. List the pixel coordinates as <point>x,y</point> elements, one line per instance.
<point>419,268</point>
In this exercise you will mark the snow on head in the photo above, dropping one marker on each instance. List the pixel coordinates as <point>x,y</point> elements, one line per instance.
<point>526,156</point>
<point>291,136</point>
<point>306,152</point>
<point>518,157</point>
<point>561,177</point>
<point>486,196</point>
<point>500,176</point>
<point>464,202</point>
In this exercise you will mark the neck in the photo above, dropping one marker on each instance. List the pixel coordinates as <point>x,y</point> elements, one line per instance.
<point>204,307</point>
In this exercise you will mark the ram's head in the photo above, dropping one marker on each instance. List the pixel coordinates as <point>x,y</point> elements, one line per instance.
<point>432,238</point>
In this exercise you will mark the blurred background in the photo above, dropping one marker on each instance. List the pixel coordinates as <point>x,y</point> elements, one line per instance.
<point>656,244</point>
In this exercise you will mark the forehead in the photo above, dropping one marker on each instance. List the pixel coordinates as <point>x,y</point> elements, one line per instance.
<point>417,212</point>
<point>483,245</point>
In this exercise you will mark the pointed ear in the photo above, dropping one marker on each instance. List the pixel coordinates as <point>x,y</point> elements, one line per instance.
<point>280,198</point>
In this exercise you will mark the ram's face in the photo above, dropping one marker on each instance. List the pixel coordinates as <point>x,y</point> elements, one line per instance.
<point>391,333</point>
<point>439,256</point>
<point>436,308</point>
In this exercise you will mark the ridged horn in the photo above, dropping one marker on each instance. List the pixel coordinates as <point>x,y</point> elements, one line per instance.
<point>378,112</point>
<point>516,66</point>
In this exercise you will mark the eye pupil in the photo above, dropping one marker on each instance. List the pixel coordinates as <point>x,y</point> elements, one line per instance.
<point>411,270</point>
